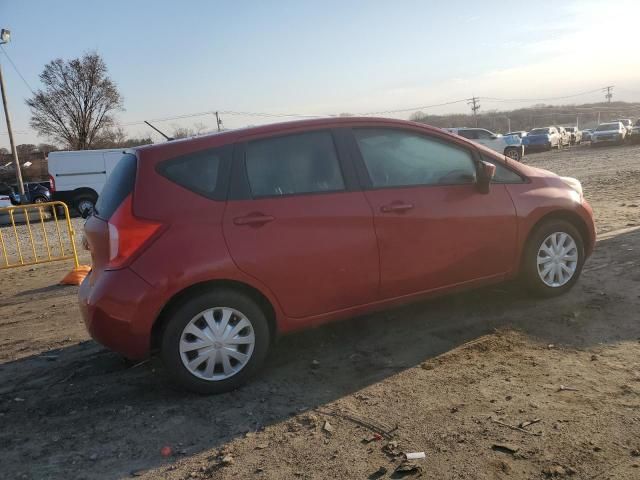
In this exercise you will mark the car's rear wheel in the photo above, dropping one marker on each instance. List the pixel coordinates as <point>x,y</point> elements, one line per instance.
<point>513,154</point>
<point>553,258</point>
<point>215,341</point>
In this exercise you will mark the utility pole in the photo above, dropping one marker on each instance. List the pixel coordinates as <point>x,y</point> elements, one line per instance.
<point>5,36</point>
<point>508,124</point>
<point>609,93</point>
<point>475,106</point>
<point>218,122</point>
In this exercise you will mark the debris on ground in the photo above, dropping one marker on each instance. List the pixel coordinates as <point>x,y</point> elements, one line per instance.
<point>564,388</point>
<point>327,427</point>
<point>414,455</point>
<point>166,451</point>
<point>406,469</point>
<point>381,472</point>
<point>505,448</point>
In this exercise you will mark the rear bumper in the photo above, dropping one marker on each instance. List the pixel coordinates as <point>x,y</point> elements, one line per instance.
<point>119,309</point>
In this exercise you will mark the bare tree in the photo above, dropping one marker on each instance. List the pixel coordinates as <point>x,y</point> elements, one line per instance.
<point>117,138</point>
<point>77,102</point>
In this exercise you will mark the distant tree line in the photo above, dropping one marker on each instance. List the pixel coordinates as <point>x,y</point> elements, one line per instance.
<point>585,115</point>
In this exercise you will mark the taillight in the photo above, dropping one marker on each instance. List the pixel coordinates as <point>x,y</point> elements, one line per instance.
<point>128,234</point>
<point>52,184</point>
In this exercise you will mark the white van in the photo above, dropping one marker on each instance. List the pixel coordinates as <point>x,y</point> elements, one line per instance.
<point>77,177</point>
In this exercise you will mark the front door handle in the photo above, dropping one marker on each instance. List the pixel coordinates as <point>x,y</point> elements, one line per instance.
<point>254,219</point>
<point>396,207</point>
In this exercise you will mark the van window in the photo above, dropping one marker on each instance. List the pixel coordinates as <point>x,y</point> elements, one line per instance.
<point>293,164</point>
<point>118,185</point>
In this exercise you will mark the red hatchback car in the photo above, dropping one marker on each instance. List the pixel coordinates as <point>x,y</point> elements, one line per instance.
<point>206,249</point>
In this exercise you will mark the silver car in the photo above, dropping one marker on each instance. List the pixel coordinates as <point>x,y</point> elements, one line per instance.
<point>607,133</point>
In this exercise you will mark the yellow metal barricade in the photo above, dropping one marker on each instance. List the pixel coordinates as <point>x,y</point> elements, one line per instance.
<point>39,233</point>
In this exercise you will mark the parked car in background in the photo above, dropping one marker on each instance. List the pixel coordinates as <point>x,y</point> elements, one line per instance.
<point>518,133</point>
<point>575,135</point>
<point>635,132</point>
<point>266,230</point>
<point>5,195</point>
<point>586,134</point>
<point>608,133</point>
<point>510,146</point>
<point>77,177</point>
<point>565,137</point>
<point>627,123</point>
<point>542,139</point>
<point>34,193</point>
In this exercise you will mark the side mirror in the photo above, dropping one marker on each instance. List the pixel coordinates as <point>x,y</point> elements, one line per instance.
<point>486,171</point>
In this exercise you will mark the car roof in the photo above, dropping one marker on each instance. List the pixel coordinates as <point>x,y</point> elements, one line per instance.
<point>231,136</point>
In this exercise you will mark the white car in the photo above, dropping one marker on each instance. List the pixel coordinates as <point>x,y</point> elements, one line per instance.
<point>626,123</point>
<point>612,132</point>
<point>509,145</point>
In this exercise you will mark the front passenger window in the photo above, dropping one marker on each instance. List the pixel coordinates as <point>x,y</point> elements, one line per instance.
<point>401,158</point>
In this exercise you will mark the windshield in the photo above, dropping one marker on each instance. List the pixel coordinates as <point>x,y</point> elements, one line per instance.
<point>608,126</point>
<point>539,131</point>
<point>570,129</point>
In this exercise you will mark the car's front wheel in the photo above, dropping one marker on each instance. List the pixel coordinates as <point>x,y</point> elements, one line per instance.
<point>553,258</point>
<point>513,154</point>
<point>215,341</point>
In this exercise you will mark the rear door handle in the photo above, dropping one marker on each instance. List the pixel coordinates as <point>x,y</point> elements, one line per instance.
<point>396,207</point>
<point>254,219</point>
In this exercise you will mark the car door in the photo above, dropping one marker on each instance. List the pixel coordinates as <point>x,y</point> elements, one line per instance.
<point>297,221</point>
<point>434,228</point>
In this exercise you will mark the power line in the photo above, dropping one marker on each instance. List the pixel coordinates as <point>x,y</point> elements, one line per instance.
<point>17,71</point>
<point>540,99</point>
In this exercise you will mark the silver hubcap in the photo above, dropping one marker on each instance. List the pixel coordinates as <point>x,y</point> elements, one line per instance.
<point>512,154</point>
<point>217,343</point>
<point>85,205</point>
<point>557,259</point>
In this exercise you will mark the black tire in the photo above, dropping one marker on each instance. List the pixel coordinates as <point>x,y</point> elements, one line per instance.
<point>529,273</point>
<point>80,202</point>
<point>182,314</point>
<point>515,154</point>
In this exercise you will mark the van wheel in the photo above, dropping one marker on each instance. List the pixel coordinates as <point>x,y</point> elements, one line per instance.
<point>84,202</point>
<point>215,341</point>
<point>553,258</point>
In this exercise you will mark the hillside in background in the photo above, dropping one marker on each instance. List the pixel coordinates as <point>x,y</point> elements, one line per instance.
<point>585,116</point>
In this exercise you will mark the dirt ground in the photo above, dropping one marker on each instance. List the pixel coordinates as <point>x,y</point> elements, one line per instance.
<point>453,377</point>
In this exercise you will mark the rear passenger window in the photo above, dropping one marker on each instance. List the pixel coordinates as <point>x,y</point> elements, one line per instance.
<point>197,172</point>
<point>302,163</point>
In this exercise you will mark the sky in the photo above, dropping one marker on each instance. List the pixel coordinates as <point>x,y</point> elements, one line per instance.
<point>326,57</point>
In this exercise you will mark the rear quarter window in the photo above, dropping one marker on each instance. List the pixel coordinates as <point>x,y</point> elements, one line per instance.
<point>118,185</point>
<point>200,172</point>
